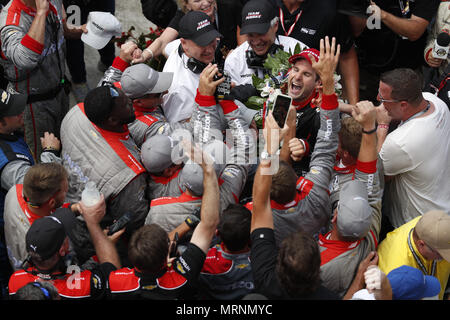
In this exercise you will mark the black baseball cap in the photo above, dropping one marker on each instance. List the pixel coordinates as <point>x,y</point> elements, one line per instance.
<point>196,26</point>
<point>256,16</point>
<point>46,235</point>
<point>11,104</point>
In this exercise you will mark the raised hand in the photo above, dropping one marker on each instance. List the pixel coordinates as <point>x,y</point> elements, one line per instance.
<point>328,61</point>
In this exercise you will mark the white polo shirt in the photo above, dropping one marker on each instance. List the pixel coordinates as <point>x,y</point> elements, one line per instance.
<point>236,62</point>
<point>178,103</point>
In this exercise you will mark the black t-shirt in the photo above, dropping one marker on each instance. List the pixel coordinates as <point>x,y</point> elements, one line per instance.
<point>263,259</point>
<point>227,20</point>
<point>381,49</point>
<point>316,19</point>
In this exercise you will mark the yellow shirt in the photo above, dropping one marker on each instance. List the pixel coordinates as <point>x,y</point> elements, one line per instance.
<point>394,252</point>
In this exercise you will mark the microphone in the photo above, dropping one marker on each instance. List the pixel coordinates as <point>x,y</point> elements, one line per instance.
<point>441,46</point>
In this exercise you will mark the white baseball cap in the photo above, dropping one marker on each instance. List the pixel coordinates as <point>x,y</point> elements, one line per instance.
<point>101,26</point>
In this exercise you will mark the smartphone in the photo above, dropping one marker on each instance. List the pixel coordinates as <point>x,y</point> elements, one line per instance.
<point>280,108</point>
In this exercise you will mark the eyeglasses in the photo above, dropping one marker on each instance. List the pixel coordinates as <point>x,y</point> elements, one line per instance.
<point>382,100</point>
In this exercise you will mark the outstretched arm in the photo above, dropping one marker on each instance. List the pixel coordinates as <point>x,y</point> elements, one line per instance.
<point>209,212</point>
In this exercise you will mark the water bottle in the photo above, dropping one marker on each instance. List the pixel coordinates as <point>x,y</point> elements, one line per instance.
<point>90,195</point>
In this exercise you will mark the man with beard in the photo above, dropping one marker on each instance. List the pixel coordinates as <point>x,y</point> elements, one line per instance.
<point>98,148</point>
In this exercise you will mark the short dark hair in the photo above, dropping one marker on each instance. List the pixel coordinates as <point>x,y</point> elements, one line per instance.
<point>42,181</point>
<point>234,227</point>
<point>99,104</point>
<point>284,184</point>
<point>148,248</point>
<point>350,136</point>
<point>298,264</point>
<point>406,85</point>
<point>39,290</point>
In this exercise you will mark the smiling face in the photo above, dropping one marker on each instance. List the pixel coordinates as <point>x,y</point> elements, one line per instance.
<point>206,6</point>
<point>302,80</point>
<point>260,43</point>
<point>204,54</point>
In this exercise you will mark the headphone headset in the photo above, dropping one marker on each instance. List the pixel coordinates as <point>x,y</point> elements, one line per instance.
<point>192,64</point>
<point>255,61</point>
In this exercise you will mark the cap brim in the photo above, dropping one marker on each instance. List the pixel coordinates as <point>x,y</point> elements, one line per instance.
<point>445,254</point>
<point>432,287</point>
<point>19,101</point>
<point>206,38</point>
<point>95,41</point>
<point>260,28</point>
<point>164,82</point>
<point>67,218</point>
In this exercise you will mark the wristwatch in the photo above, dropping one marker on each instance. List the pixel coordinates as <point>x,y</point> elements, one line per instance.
<point>265,156</point>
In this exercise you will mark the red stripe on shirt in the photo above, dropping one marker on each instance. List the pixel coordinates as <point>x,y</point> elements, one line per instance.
<point>114,139</point>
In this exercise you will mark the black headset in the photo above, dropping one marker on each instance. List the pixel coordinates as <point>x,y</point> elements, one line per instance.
<point>192,64</point>
<point>255,61</point>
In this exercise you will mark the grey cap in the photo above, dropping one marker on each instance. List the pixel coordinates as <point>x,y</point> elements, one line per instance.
<point>354,211</point>
<point>12,104</point>
<point>191,177</point>
<point>140,79</point>
<point>156,152</point>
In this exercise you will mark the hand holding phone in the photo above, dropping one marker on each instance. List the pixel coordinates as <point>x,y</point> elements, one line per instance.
<point>280,108</point>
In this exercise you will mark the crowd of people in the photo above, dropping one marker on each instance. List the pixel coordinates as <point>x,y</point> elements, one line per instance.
<point>347,198</point>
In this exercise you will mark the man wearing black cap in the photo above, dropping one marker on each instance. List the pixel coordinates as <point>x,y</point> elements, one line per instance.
<point>260,24</point>
<point>197,46</point>
<point>47,244</point>
<point>98,147</point>
<point>16,158</point>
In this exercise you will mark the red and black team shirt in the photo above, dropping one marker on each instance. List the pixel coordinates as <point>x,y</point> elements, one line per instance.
<point>175,282</point>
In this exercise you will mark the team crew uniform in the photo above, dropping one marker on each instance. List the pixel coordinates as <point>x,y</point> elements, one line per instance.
<point>225,276</point>
<point>89,284</point>
<point>149,121</point>
<point>340,258</point>
<point>176,280</point>
<point>35,69</point>
<point>264,250</point>
<point>109,159</point>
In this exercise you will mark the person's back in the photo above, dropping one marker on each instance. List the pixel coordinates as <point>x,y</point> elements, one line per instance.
<point>226,273</point>
<point>112,159</point>
<point>405,246</point>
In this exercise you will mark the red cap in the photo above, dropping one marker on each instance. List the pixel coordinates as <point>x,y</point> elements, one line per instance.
<point>304,55</point>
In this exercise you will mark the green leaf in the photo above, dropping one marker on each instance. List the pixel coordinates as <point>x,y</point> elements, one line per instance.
<point>255,102</point>
<point>297,49</point>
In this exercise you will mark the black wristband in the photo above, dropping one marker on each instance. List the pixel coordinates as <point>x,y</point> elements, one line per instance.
<point>370,131</point>
<point>52,150</point>
<point>192,221</point>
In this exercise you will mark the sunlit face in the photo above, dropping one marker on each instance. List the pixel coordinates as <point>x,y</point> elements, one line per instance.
<point>260,43</point>
<point>391,105</point>
<point>204,54</point>
<point>301,80</point>
<point>206,6</point>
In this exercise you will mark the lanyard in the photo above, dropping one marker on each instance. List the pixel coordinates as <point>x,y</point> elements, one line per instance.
<point>288,33</point>
<point>417,114</point>
<point>416,257</point>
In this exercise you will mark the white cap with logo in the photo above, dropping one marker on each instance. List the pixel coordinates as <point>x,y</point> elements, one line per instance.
<point>101,26</point>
